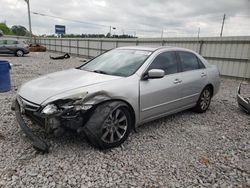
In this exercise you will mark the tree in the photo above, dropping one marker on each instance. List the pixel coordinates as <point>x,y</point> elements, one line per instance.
<point>19,30</point>
<point>5,29</point>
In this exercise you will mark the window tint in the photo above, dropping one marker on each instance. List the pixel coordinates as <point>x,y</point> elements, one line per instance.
<point>2,42</point>
<point>165,61</point>
<point>189,61</point>
<point>9,42</point>
<point>202,66</point>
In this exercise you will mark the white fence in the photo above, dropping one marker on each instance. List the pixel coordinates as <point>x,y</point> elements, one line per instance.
<point>230,54</point>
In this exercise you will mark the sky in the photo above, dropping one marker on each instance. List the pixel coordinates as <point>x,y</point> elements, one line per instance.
<point>142,18</point>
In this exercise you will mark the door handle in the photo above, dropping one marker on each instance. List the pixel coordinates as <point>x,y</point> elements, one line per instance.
<point>203,74</point>
<point>177,81</point>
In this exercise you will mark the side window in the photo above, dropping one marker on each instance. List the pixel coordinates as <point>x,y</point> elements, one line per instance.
<point>10,42</point>
<point>3,42</point>
<point>189,61</point>
<point>165,61</point>
<point>202,66</point>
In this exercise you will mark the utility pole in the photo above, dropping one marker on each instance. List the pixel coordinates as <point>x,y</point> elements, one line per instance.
<point>199,29</point>
<point>222,25</point>
<point>162,31</point>
<point>28,4</point>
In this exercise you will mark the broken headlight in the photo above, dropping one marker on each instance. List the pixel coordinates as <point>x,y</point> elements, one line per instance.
<point>74,102</point>
<point>50,109</point>
<point>76,105</point>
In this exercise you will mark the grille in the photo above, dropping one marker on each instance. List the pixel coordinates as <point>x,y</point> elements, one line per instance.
<point>26,105</point>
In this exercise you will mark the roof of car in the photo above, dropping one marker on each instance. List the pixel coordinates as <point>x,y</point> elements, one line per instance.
<point>148,48</point>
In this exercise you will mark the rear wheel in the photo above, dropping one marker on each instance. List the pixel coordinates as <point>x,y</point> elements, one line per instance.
<point>109,126</point>
<point>204,100</point>
<point>19,53</point>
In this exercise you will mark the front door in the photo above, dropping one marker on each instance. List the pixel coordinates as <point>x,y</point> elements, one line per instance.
<point>161,96</point>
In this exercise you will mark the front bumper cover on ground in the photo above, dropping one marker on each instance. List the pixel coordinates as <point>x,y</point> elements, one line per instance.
<point>37,142</point>
<point>243,101</point>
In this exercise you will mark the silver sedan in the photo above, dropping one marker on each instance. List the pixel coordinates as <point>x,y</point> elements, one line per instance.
<point>117,91</point>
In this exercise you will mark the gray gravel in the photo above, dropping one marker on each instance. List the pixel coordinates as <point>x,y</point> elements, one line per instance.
<point>182,150</point>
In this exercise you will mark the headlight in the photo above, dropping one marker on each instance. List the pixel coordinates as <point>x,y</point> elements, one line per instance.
<point>76,104</point>
<point>50,109</point>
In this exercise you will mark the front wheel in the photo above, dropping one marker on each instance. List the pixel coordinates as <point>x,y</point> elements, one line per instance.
<point>19,53</point>
<point>204,100</point>
<point>109,126</point>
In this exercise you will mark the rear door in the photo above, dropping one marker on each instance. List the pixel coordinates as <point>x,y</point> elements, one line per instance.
<point>194,77</point>
<point>161,96</point>
<point>11,45</point>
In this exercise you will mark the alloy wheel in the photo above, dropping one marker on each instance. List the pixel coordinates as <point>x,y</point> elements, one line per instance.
<point>205,99</point>
<point>115,126</point>
<point>19,53</point>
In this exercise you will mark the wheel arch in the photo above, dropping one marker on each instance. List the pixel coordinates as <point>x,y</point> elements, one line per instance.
<point>211,87</point>
<point>130,108</point>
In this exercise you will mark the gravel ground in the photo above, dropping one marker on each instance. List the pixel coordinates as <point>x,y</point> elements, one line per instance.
<point>182,150</point>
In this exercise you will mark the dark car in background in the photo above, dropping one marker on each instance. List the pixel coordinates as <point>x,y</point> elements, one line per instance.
<point>243,96</point>
<point>13,46</point>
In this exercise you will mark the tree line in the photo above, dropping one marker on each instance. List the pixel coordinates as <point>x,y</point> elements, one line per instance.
<point>91,36</point>
<point>20,30</point>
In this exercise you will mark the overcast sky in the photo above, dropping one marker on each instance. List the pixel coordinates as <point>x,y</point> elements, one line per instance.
<point>145,18</point>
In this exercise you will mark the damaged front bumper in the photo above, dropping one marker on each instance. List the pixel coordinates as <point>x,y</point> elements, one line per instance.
<point>243,101</point>
<point>37,142</point>
<point>67,117</point>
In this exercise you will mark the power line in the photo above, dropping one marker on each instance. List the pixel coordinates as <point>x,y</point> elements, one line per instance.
<point>77,21</point>
<point>91,23</point>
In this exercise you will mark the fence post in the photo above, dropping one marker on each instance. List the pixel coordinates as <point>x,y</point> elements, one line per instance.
<point>50,44</point>
<point>55,44</point>
<point>200,48</point>
<point>77,45</point>
<point>61,44</point>
<point>88,47</point>
<point>163,42</point>
<point>101,47</point>
<point>69,45</point>
<point>247,73</point>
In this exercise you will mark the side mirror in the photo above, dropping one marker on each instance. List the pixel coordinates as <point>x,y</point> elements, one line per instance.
<point>154,74</point>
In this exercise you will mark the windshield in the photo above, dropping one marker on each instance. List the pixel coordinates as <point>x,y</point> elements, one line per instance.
<point>119,62</point>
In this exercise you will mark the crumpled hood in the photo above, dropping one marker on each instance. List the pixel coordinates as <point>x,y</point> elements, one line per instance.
<point>42,88</point>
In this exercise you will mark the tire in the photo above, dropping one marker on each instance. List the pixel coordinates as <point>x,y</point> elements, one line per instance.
<point>19,53</point>
<point>204,100</point>
<point>109,126</point>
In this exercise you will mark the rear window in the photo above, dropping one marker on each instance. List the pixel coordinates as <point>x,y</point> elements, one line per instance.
<point>189,61</point>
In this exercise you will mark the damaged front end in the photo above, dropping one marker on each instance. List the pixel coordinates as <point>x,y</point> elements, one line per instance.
<point>243,97</point>
<point>55,117</point>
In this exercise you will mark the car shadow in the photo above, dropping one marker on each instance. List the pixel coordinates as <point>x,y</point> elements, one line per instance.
<point>12,55</point>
